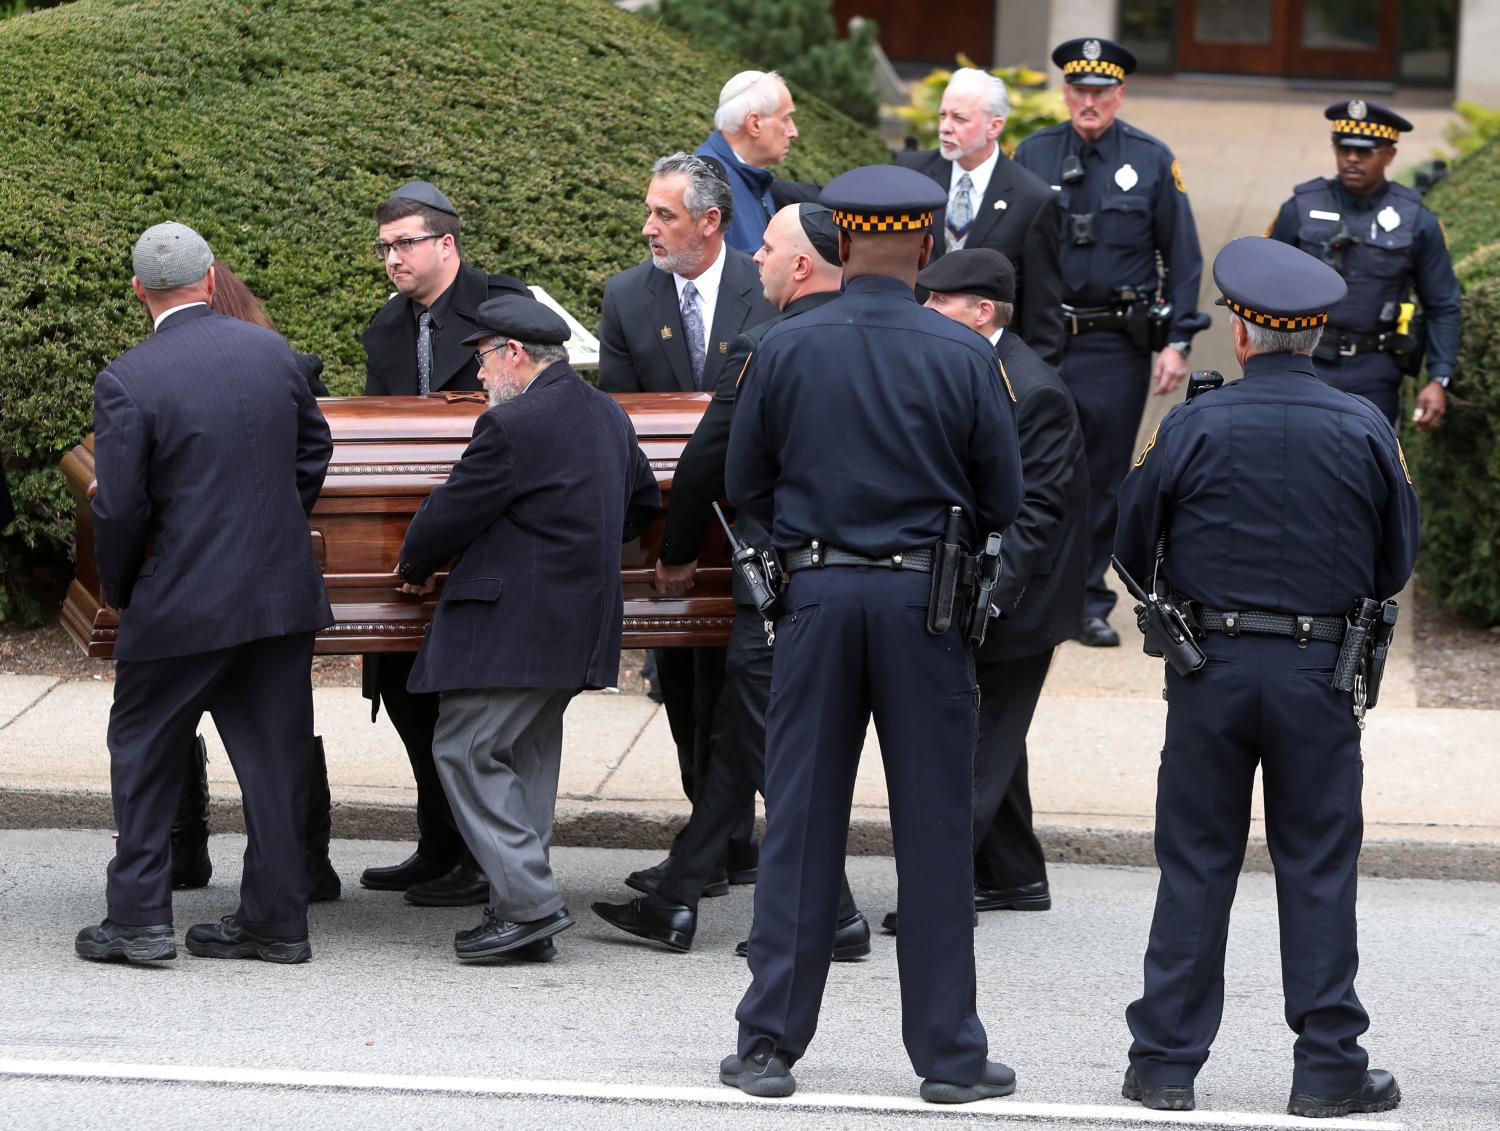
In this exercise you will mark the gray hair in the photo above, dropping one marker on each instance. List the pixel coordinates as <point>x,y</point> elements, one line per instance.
<point>547,354</point>
<point>749,92</point>
<point>994,94</point>
<point>706,189</point>
<point>1263,339</point>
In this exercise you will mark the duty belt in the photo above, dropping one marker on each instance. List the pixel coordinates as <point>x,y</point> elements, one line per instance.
<point>1299,627</point>
<point>818,555</point>
<point>1352,343</point>
<point>1087,319</point>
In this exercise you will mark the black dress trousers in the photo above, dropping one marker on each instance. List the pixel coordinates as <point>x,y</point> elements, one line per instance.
<point>1006,851</point>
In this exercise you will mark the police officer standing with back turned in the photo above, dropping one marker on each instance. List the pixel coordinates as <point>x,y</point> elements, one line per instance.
<point>861,427</point>
<point>1131,267</point>
<point>1385,243</point>
<point>1280,510</point>
<point>414,346</point>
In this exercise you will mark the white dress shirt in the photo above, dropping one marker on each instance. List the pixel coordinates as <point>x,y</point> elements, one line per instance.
<point>979,177</point>
<point>171,310</point>
<point>708,293</point>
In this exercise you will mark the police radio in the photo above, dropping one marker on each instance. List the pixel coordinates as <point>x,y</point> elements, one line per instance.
<point>758,569</point>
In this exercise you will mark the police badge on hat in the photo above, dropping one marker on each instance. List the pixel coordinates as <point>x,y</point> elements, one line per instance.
<point>1091,50</point>
<point>1358,109</point>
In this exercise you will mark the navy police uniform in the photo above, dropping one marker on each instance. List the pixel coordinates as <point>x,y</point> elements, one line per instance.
<point>1124,204</point>
<point>1385,245</point>
<point>1278,494</point>
<point>859,424</point>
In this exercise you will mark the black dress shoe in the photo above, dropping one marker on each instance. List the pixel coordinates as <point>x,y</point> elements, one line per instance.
<point>463,886</point>
<point>851,940</point>
<point>415,869</point>
<point>495,936</point>
<point>1023,897</point>
<point>191,867</point>
<point>119,942</point>
<point>543,951</point>
<point>1096,633</point>
<point>228,939</point>
<point>323,884</point>
<point>649,879</point>
<point>1158,1097</point>
<point>997,1080</point>
<point>651,917</point>
<point>763,1073</point>
<point>743,862</point>
<point>1379,1092</point>
<point>890,922</point>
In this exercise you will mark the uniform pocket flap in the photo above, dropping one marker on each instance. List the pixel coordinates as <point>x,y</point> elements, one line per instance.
<point>473,589</point>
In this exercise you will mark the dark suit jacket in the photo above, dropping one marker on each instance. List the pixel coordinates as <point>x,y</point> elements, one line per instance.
<point>1044,554</point>
<point>535,511</point>
<point>1018,217</point>
<point>641,345</point>
<point>390,340</point>
<point>210,453</point>
<point>698,482</point>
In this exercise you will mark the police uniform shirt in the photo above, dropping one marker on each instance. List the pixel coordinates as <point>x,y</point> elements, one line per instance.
<point>1420,252</point>
<point>1277,492</point>
<point>1135,191</point>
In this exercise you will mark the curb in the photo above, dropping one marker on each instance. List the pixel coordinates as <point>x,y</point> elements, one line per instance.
<point>583,824</point>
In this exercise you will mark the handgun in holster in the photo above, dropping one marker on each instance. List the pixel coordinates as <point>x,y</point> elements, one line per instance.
<point>1166,630</point>
<point>986,581</point>
<point>1362,655</point>
<point>1159,320</point>
<point>947,564</point>
<point>760,570</point>
<point>1137,308</point>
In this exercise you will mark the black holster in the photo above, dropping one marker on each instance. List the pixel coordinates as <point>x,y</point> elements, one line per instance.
<point>947,560</point>
<point>1353,652</point>
<point>1138,325</point>
<point>986,571</point>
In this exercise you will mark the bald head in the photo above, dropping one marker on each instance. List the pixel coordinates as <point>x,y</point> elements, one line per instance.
<point>790,267</point>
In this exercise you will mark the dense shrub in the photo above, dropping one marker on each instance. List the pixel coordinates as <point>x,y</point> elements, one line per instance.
<point>1457,468</point>
<point>274,129</point>
<point>796,38</point>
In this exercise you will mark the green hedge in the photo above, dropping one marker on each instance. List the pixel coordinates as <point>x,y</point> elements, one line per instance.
<point>274,129</point>
<point>1457,468</point>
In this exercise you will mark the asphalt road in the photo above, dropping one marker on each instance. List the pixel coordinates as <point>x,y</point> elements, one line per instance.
<point>616,1033</point>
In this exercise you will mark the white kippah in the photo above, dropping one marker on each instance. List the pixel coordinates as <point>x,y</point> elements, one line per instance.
<point>738,85</point>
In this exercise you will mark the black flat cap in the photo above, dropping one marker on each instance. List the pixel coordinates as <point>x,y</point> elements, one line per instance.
<point>424,193</point>
<point>521,318</point>
<point>1093,62</point>
<point>817,226</point>
<point>980,271</point>
<point>1365,125</point>
<point>883,198</point>
<point>1276,285</point>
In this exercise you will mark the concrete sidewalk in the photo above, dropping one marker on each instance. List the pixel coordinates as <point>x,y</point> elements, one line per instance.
<point>1432,801</point>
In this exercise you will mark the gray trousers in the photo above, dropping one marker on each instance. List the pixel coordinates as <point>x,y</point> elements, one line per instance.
<point>498,752</point>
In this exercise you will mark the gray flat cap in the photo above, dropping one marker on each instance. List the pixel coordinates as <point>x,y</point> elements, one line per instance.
<point>170,255</point>
<point>424,193</point>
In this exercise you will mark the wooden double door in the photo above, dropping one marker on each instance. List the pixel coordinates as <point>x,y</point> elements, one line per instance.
<point>1347,39</point>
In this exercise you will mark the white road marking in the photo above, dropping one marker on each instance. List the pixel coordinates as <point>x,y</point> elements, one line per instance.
<point>646,1093</point>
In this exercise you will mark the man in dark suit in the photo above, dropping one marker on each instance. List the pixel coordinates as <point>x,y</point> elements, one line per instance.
<point>666,327</point>
<point>210,452</point>
<point>995,203</point>
<point>413,346</point>
<point>533,607</point>
<point>1043,561</point>
<point>800,271</point>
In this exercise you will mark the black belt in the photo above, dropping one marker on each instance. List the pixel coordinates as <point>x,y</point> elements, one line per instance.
<point>1299,627</point>
<point>1087,319</point>
<point>1350,343</point>
<point>818,555</point>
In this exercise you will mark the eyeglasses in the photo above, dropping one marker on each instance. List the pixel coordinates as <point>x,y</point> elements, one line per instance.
<point>479,354</point>
<point>404,245</point>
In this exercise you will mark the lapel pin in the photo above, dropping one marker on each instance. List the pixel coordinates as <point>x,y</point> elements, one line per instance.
<point>1000,204</point>
<point>723,347</point>
<point>666,333</point>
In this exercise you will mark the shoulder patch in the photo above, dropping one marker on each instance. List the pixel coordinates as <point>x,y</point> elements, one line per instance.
<point>1004,376</point>
<point>1442,231</point>
<point>1177,178</point>
<point>1150,443</point>
<point>1271,227</point>
<point>1401,455</point>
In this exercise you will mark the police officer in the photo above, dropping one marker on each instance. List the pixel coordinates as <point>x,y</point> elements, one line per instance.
<point>1282,500</point>
<point>1124,210</point>
<point>923,424</point>
<point>1382,239</point>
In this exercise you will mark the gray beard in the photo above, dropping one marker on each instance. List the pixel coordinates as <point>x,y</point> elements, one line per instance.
<point>502,395</point>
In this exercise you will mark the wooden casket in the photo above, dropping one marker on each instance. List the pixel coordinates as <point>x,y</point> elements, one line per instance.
<point>388,453</point>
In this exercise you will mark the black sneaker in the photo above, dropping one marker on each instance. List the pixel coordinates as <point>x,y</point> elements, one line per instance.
<point>228,939</point>
<point>997,1080</point>
<point>1158,1097</point>
<point>1379,1092</point>
<point>119,942</point>
<point>763,1073</point>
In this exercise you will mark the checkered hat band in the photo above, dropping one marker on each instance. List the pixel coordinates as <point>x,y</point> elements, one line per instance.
<point>1094,67</point>
<point>882,222</point>
<point>1365,129</point>
<point>1276,321</point>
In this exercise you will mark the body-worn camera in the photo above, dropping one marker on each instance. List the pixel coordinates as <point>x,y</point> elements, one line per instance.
<point>1081,229</point>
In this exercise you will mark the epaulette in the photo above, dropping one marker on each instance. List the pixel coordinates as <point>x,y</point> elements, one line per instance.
<point>1137,132</point>
<point>1398,189</point>
<point>1317,184</point>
